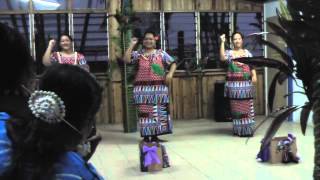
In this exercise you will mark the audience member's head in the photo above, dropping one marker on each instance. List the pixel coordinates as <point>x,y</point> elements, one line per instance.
<point>16,61</point>
<point>61,116</point>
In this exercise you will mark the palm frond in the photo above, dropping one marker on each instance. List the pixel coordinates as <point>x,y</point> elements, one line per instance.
<point>273,114</point>
<point>278,30</point>
<point>283,54</point>
<point>272,91</point>
<point>304,116</point>
<point>294,92</point>
<point>275,125</point>
<point>265,62</point>
<point>282,77</point>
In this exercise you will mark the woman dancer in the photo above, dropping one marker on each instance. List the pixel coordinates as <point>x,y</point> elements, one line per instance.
<point>151,92</point>
<point>65,55</point>
<point>239,87</point>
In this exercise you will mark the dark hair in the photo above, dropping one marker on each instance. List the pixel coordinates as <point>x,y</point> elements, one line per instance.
<point>157,44</point>
<point>234,33</point>
<point>16,67</point>
<point>69,37</point>
<point>37,146</point>
<point>149,32</point>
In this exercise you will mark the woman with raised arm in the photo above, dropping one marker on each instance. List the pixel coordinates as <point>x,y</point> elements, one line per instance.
<point>65,53</point>
<point>239,87</point>
<point>151,86</point>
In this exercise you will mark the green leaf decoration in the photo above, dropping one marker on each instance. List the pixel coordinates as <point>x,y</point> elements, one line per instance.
<point>246,76</point>
<point>157,69</point>
<point>234,68</point>
<point>237,115</point>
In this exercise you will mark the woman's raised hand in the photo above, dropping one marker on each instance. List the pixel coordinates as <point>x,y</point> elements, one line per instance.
<point>223,38</point>
<point>52,43</point>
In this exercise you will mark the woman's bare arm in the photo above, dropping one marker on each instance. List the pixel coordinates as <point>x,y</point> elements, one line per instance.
<point>254,75</point>
<point>46,57</point>
<point>127,54</point>
<point>222,49</point>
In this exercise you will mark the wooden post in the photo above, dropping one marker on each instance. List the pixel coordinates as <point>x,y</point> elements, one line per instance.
<point>115,96</point>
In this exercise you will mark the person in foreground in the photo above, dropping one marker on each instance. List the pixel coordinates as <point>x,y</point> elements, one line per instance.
<point>39,140</point>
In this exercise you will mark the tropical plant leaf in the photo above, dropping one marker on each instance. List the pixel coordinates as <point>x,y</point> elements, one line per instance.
<point>272,91</point>
<point>257,25</point>
<point>310,11</point>
<point>271,115</point>
<point>275,125</point>
<point>301,29</point>
<point>282,77</point>
<point>265,62</point>
<point>283,54</point>
<point>292,42</point>
<point>316,92</point>
<point>294,92</point>
<point>304,116</point>
<point>278,30</point>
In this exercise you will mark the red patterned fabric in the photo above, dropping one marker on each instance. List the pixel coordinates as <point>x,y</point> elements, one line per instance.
<point>240,90</point>
<point>244,107</point>
<point>68,60</point>
<point>238,76</point>
<point>145,72</point>
<point>151,94</point>
<point>145,108</point>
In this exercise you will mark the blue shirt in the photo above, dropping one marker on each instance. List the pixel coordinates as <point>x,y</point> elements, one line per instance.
<point>70,167</point>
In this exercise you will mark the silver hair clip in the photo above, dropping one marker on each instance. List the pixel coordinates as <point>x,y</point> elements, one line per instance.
<point>48,107</point>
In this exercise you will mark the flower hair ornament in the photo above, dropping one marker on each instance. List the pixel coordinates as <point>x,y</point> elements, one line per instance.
<point>48,107</point>
<point>157,38</point>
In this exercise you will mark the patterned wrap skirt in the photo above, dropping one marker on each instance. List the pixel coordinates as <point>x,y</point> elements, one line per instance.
<point>240,91</point>
<point>151,95</point>
<point>152,100</point>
